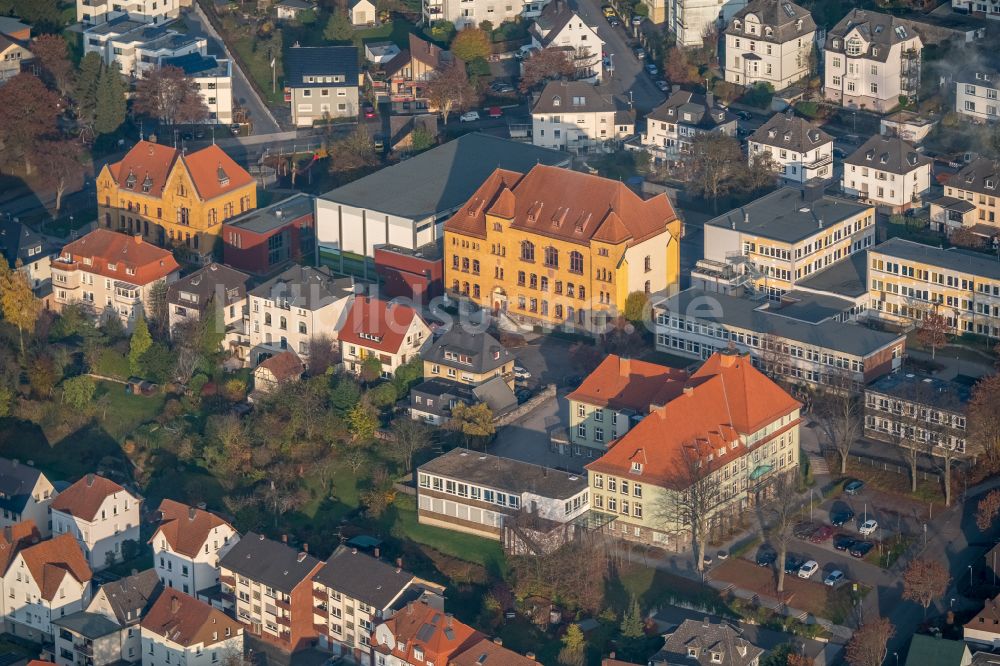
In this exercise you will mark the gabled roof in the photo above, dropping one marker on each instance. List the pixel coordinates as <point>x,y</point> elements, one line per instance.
<point>726,398</point>
<point>15,537</point>
<point>487,652</point>
<point>184,620</point>
<point>49,562</point>
<point>438,635</point>
<point>133,260</point>
<point>269,562</point>
<point>555,16</point>
<point>474,351</point>
<point>130,597</point>
<point>207,283</point>
<point>786,20</point>
<point>788,131</point>
<point>17,239</point>
<point>363,577</point>
<point>305,287</point>
<point>981,175</point>
<point>84,498</point>
<point>429,53</point>
<point>284,366</point>
<point>304,61</point>
<point>577,97</point>
<point>692,109</point>
<point>377,324</point>
<point>187,528</point>
<point>214,173</point>
<point>566,205</point>
<point>880,31</point>
<point>888,153</point>
<point>150,164</point>
<point>17,481</point>
<point>936,651</point>
<point>621,383</point>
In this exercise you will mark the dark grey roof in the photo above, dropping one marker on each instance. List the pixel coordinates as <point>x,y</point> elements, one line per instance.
<point>880,31</point>
<point>362,577</point>
<point>296,4</point>
<point>981,175</point>
<point>750,315</point>
<point>989,78</point>
<point>573,96</point>
<point>954,259</point>
<point>708,637</point>
<point>17,480</point>
<point>441,180</point>
<point>306,287</point>
<point>957,205</point>
<point>923,389</point>
<point>497,395</point>
<point>784,130</point>
<point>9,24</point>
<point>813,308</point>
<point>303,61</point>
<point>554,17</point>
<point>271,563</point>
<point>207,283</point>
<point>130,597</point>
<point>116,26</point>
<point>196,64</point>
<point>442,392</point>
<point>506,474</point>
<point>888,153</point>
<point>17,239</point>
<point>847,277</point>
<point>785,215</point>
<point>88,625</point>
<point>693,109</point>
<point>480,352</point>
<point>278,214</point>
<point>786,20</point>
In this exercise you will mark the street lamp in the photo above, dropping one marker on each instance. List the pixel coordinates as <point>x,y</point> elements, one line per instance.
<point>896,655</point>
<point>951,605</point>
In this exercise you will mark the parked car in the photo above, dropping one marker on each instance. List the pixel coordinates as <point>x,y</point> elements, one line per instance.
<point>868,527</point>
<point>841,518</point>
<point>637,20</point>
<point>378,141</point>
<point>651,69</point>
<point>843,542</point>
<point>743,115</point>
<point>861,548</point>
<point>495,112</point>
<point>613,21</point>
<point>469,117</point>
<point>234,128</point>
<point>821,534</point>
<point>608,11</point>
<point>722,555</point>
<point>662,85</point>
<point>854,486</point>
<point>808,569</point>
<point>640,53</point>
<point>369,111</point>
<point>834,577</point>
<point>792,563</point>
<point>766,557</point>
<point>523,395</point>
<point>521,373</point>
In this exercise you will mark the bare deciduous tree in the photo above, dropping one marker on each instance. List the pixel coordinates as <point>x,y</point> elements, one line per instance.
<point>869,645</point>
<point>781,514</point>
<point>838,412</point>
<point>449,89</point>
<point>987,510</point>
<point>692,498</point>
<point>924,581</point>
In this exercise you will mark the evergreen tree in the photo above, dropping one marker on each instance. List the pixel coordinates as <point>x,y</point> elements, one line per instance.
<point>87,87</point>
<point>140,342</point>
<point>110,107</point>
<point>631,626</point>
<point>339,28</point>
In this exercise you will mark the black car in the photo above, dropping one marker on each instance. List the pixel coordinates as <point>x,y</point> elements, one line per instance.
<point>854,486</point>
<point>793,563</point>
<point>843,542</point>
<point>841,518</point>
<point>766,557</point>
<point>861,548</point>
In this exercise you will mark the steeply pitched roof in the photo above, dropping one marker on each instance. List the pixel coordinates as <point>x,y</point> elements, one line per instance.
<point>726,398</point>
<point>981,175</point>
<point>707,637</point>
<point>693,110</point>
<point>146,167</point>
<point>566,205</point>
<point>184,620</point>
<point>214,173</point>
<point>377,324</point>
<point>130,597</point>
<point>214,281</point>
<point>305,287</point>
<point>284,366</point>
<point>881,31</point>
<point>936,651</point>
<point>19,242</point>
<point>303,61</point>
<point>474,351</point>
<point>17,481</point>
<point>15,537</point>
<point>786,20</point>
<point>621,383</point>
<point>555,16</point>
<point>363,577</point>
<point>150,164</point>
<point>49,562</point>
<point>269,562</point>
<point>577,97</point>
<point>84,498</point>
<point>436,634</point>
<point>487,652</point>
<point>134,261</point>
<point>187,528</point>
<point>888,153</point>
<point>429,53</point>
<point>788,131</point>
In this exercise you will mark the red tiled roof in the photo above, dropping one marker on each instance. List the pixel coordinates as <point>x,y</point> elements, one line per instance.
<point>214,173</point>
<point>49,562</point>
<point>186,528</point>
<point>84,498</point>
<point>104,247</point>
<point>621,383</point>
<point>487,652</point>
<point>377,324</point>
<point>13,539</point>
<point>727,397</point>
<point>187,621</point>
<point>564,204</point>
<point>438,635</point>
<point>156,161</point>
<point>146,159</point>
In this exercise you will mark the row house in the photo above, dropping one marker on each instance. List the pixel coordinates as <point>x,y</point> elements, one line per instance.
<point>25,495</point>
<point>111,274</point>
<point>559,27</point>
<point>179,629</point>
<point>321,83</point>
<point>887,172</point>
<point>188,544</point>
<point>270,239</point>
<point>101,515</point>
<point>268,587</point>
<point>618,394</point>
<point>580,245</point>
<point>174,199</point>
<point>579,117</point>
<point>769,41</point>
<point>672,126</point>
<point>136,48</point>
<point>213,286</point>
<point>970,200</point>
<point>800,150</point>
<point>390,331</point>
<point>731,425</point>
<point>976,94</point>
<point>911,410</point>
<point>908,281</point>
<point>805,342</point>
<point>771,243</point>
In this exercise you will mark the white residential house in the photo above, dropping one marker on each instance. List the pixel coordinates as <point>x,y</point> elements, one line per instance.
<point>361,12</point>
<point>579,117</point>
<point>25,494</point>
<point>187,546</point>
<point>148,11</point>
<point>214,78</point>
<point>321,82</point>
<point>976,94</point>
<point>393,332</point>
<point>887,172</point>
<point>977,8</point>
<point>125,602</point>
<point>769,41</point>
<point>672,126</point>
<point>136,47</point>
<point>100,515</point>
<point>690,19</point>
<point>466,13</point>
<point>800,150</point>
<point>45,581</point>
<point>559,27</point>
<point>870,61</point>
<point>180,629</point>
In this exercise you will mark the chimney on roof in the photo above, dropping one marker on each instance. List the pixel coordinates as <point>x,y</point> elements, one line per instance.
<point>301,557</point>
<point>284,538</point>
<point>399,562</point>
<point>376,552</point>
<point>175,605</point>
<point>624,366</point>
<point>498,641</point>
<point>706,623</point>
<point>709,99</point>
<point>688,390</point>
<point>260,536</point>
<point>192,512</point>
<point>531,655</point>
<point>90,480</point>
<point>612,655</point>
<point>305,547</point>
<point>137,239</point>
<point>202,505</point>
<point>354,551</point>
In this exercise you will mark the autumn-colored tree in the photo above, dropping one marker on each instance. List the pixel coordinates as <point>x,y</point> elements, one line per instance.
<point>762,172</point>
<point>574,647</point>
<point>964,237</point>
<point>52,54</point>
<point>470,44</point>
<point>987,510</point>
<point>17,301</point>
<point>28,113</point>
<point>869,644</point>
<point>676,65</point>
<point>933,331</point>
<point>371,369</point>
<point>362,422</point>
<point>449,89</point>
<point>984,421</point>
<point>924,581</point>
<point>473,421</point>
<point>171,96</point>
<point>716,165</point>
<point>637,307</point>
<point>544,66</point>
<point>59,166</point>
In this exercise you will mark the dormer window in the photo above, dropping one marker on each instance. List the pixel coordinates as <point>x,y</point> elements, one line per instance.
<point>736,24</point>
<point>768,31</point>
<point>884,159</point>
<point>556,101</point>
<point>637,467</point>
<point>130,180</point>
<point>147,183</point>
<point>870,155</point>
<point>854,47</point>
<point>990,183</point>
<point>716,657</point>
<point>693,652</point>
<point>874,52</point>
<point>223,176</point>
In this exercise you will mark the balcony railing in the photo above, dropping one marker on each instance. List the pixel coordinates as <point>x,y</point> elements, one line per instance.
<point>821,162</point>
<point>84,648</point>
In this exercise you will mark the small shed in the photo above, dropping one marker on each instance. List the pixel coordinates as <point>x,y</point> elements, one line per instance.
<point>289,10</point>
<point>139,386</point>
<point>362,12</point>
<point>276,370</point>
<point>380,53</point>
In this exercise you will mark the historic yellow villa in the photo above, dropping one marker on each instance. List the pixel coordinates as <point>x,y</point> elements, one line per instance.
<point>172,199</point>
<point>556,247</point>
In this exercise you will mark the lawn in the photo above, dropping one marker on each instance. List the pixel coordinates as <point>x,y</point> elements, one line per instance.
<point>125,412</point>
<point>260,67</point>
<point>653,586</point>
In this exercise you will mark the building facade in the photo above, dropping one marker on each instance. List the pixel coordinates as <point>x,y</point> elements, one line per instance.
<point>214,286</point>
<point>887,172</point>
<point>917,411</point>
<point>269,239</point>
<point>187,545</point>
<point>769,41</point>
<point>466,357</point>
<point>559,27</point>
<point>321,82</point>
<point>25,494</point>
<point>179,629</point>
<point>101,515</point>
<point>688,20</point>
<point>970,200</point>
<point>800,150</point>
<point>672,126</point>
<point>12,55</point>
<point>416,274</point>
<point>125,602</point>
<point>976,95</point>
<point>136,47</point>
<point>214,78</point>
<point>149,11</point>
<point>392,332</point>
<point>580,118</point>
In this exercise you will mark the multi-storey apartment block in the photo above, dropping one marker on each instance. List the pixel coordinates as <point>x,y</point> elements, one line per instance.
<point>910,410</point>
<point>908,281</point>
<point>390,331</point>
<point>214,286</point>
<point>149,11</point>
<point>269,587</point>
<point>108,272</point>
<point>172,199</point>
<point>180,629</point>
<point>100,515</point>
<point>976,94</point>
<point>579,245</point>
<point>689,20</point>
<point>731,425</point>
<point>970,200</point>
<point>801,341</point>
<point>559,27</point>
<point>769,41</point>
<point>887,172</point>
<point>871,60</point>
<point>672,126</point>
<point>136,48</point>
<point>580,118</point>
<point>25,494</point>
<point>619,393</point>
<point>771,243</point>
<point>321,82</point>
<point>468,357</point>
<point>801,151</point>
<point>466,13</point>
<point>187,546</point>
<point>295,308</point>
<point>214,78</point>
<point>422,634</point>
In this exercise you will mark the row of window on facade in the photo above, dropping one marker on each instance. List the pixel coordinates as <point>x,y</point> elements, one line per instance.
<point>460,489</point>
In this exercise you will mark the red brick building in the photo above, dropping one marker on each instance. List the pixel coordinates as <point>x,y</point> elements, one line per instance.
<point>266,240</point>
<point>416,274</point>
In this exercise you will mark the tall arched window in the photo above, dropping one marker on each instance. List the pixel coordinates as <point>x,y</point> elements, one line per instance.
<point>552,257</point>
<point>283,324</point>
<point>575,262</point>
<point>527,251</point>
